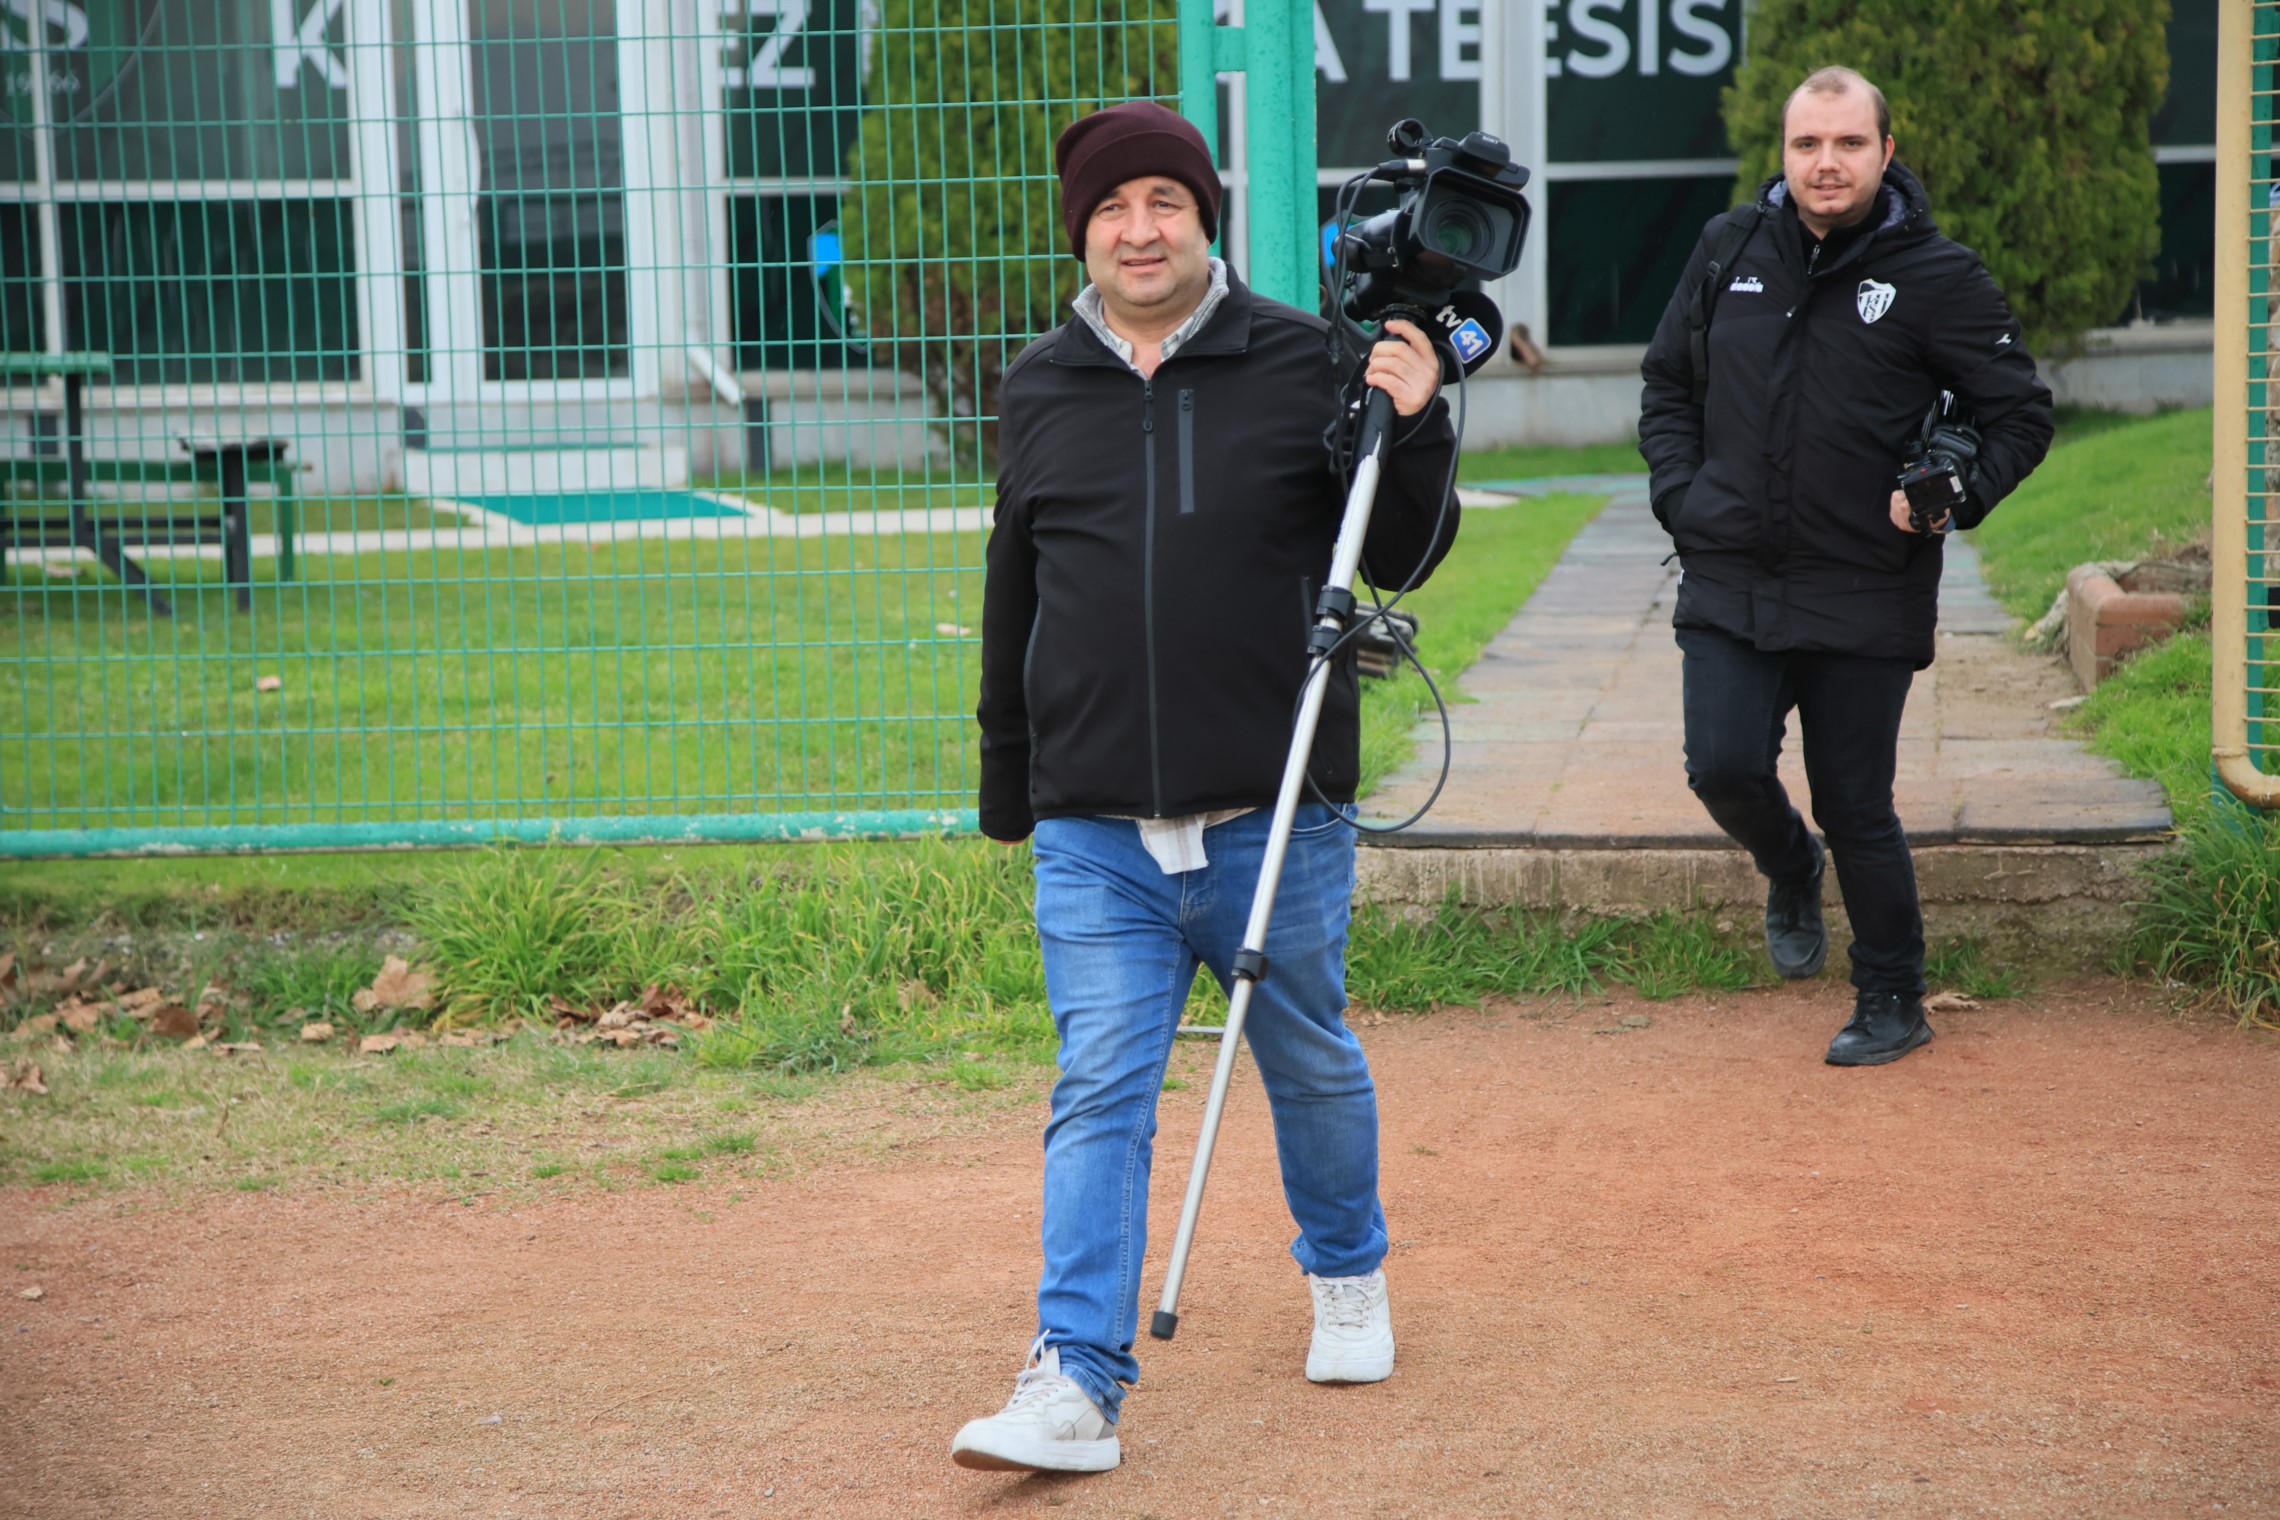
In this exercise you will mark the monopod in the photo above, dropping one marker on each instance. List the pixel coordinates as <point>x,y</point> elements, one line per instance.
<point>1333,612</point>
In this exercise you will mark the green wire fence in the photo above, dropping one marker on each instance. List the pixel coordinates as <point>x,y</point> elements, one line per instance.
<point>430,421</point>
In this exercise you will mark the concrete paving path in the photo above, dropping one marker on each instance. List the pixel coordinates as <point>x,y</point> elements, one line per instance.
<point>1572,744</point>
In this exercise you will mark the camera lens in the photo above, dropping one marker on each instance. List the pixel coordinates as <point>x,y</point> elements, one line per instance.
<point>1461,230</point>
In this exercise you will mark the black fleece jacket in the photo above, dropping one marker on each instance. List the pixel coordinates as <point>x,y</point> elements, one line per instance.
<point>1157,550</point>
<point>1823,359</point>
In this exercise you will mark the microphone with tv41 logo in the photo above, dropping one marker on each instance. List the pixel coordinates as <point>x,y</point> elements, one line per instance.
<point>1466,329</point>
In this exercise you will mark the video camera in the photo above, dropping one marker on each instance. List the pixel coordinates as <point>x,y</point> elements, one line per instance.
<point>1936,480</point>
<point>1461,220</point>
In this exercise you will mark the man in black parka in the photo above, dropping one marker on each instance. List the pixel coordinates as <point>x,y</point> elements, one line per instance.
<point>1165,516</point>
<point>1836,314</point>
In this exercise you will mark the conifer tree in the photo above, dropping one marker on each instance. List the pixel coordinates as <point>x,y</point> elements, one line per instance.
<point>2025,119</point>
<point>956,257</point>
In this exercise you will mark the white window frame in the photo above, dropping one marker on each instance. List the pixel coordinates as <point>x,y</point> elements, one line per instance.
<point>648,57</point>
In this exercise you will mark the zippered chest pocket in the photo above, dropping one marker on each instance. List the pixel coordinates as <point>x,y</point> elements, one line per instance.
<point>1187,451</point>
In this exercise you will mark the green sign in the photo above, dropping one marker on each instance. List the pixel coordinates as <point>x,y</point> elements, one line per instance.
<point>792,77</point>
<point>1376,61</point>
<point>1638,79</point>
<point>88,46</point>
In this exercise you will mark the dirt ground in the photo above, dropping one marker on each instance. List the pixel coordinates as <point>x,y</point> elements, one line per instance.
<point>1680,1269</point>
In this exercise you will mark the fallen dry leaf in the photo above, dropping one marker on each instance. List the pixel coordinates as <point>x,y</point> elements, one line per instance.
<point>37,1025</point>
<point>317,1033</point>
<point>79,1018</point>
<point>378,1044</point>
<point>397,986</point>
<point>69,981</point>
<point>458,1039</point>
<point>25,1076</point>
<point>847,1018</point>
<point>621,1017</point>
<point>667,1002</point>
<point>7,971</point>
<point>268,683</point>
<point>567,1012</point>
<point>238,1047</point>
<point>1950,1002</point>
<point>33,1293</point>
<point>172,1020</point>
<point>141,998</point>
<point>195,1042</point>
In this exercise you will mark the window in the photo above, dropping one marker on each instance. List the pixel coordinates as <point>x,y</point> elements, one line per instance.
<point>792,76</point>
<point>193,214</point>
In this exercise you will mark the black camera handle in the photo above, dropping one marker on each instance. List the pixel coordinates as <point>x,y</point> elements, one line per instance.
<point>1334,612</point>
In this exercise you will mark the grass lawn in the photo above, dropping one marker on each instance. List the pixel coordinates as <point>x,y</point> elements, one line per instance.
<point>734,675</point>
<point>2125,488</point>
<point>750,676</point>
<point>916,960</point>
<point>352,514</point>
<point>1544,462</point>
<point>836,486</point>
<point>913,957</point>
<point>2210,914</point>
<point>2112,488</point>
<point>312,514</point>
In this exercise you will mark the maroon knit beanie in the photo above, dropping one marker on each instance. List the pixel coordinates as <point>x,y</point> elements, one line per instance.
<point>1101,151</point>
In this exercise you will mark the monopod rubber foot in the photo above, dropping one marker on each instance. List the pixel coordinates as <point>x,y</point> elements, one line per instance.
<point>1163,1325</point>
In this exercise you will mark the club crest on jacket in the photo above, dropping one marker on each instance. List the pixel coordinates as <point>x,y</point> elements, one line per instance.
<point>1874,299</point>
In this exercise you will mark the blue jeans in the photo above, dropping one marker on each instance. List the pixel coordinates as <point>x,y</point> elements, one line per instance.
<point>1122,942</point>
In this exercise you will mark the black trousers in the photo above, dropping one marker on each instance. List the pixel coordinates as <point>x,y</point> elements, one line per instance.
<point>1738,700</point>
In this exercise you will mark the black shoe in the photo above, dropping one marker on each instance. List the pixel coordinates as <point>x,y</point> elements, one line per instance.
<point>1795,935</point>
<point>1885,1026</point>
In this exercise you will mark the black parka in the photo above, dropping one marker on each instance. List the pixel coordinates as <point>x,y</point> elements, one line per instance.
<point>1822,363</point>
<point>1157,550</point>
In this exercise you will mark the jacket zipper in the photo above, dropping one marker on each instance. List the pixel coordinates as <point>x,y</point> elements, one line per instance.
<point>1803,285</point>
<point>1187,453</point>
<point>1148,590</point>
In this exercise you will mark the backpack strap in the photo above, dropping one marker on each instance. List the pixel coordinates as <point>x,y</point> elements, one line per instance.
<point>1729,248</point>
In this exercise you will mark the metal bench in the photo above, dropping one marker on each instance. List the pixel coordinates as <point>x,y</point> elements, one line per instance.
<point>230,465</point>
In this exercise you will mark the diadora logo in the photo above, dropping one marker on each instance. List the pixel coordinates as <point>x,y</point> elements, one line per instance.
<point>1749,285</point>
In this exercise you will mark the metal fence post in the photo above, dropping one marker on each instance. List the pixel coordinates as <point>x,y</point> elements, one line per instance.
<point>1274,51</point>
<point>1279,54</point>
<point>1199,67</point>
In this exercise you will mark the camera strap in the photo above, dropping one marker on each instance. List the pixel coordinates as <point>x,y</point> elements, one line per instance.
<point>1722,258</point>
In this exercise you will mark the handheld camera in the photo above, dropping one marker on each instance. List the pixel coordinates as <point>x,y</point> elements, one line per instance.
<point>1936,478</point>
<point>1461,220</point>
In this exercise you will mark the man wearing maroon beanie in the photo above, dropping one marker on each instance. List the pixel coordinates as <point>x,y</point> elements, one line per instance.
<point>1165,516</point>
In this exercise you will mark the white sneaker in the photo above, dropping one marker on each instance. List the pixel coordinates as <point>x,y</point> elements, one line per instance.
<point>1353,1330</point>
<point>1049,1425</point>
